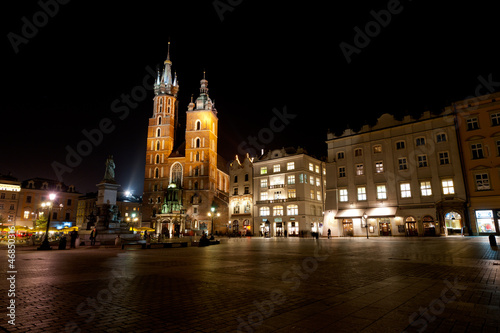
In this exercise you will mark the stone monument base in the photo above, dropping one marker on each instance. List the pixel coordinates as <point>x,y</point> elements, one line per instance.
<point>108,237</point>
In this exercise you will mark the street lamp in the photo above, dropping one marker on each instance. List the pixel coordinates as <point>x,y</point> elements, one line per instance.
<point>45,244</point>
<point>365,217</point>
<point>213,214</point>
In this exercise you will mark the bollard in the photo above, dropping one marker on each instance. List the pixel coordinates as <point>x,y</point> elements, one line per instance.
<point>493,240</point>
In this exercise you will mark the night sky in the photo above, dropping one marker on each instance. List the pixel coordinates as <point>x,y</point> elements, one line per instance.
<point>63,77</point>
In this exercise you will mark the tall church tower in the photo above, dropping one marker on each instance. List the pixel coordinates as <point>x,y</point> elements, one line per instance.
<point>201,173</point>
<point>160,141</point>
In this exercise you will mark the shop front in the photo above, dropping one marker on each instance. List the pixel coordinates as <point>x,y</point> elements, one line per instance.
<point>265,228</point>
<point>293,229</point>
<point>487,221</point>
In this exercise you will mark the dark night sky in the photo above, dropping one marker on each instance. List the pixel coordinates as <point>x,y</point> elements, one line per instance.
<point>259,57</point>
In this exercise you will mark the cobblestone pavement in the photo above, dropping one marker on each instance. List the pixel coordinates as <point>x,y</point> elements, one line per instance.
<point>260,285</point>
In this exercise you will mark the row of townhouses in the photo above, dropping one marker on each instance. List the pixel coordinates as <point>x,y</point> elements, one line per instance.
<point>21,203</point>
<point>432,176</point>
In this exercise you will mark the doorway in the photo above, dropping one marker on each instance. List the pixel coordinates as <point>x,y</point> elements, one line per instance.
<point>411,226</point>
<point>429,226</point>
<point>348,229</point>
<point>453,221</point>
<point>385,227</point>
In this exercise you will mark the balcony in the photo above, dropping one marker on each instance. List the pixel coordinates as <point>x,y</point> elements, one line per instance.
<point>272,201</point>
<point>276,186</point>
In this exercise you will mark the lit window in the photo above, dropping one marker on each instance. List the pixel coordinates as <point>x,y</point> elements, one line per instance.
<point>312,194</point>
<point>290,166</point>
<point>472,124</point>
<point>403,163</point>
<point>381,192</point>
<point>441,137</point>
<point>263,196</point>
<point>26,214</point>
<point>278,210</point>
<point>379,167</point>
<point>311,167</point>
<point>400,145</point>
<point>264,211</point>
<point>292,193</point>
<point>292,210</point>
<point>311,180</point>
<point>477,151</point>
<point>316,168</point>
<point>361,193</point>
<point>276,168</point>
<point>405,190</point>
<point>482,181</point>
<point>263,183</point>
<point>422,161</point>
<point>263,170</point>
<point>291,179</point>
<point>444,158</point>
<point>420,141</point>
<point>343,196</point>
<point>359,170</point>
<point>318,182</point>
<point>425,188</point>
<point>377,149</point>
<point>495,119</point>
<point>341,172</point>
<point>448,186</point>
<point>318,195</point>
<point>358,152</point>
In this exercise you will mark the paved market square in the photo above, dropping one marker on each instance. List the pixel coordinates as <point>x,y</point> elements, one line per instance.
<point>259,285</point>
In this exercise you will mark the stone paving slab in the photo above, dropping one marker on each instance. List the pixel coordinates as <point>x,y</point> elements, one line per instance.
<point>261,285</point>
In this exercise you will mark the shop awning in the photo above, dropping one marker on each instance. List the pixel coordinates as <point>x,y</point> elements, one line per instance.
<point>349,213</point>
<point>381,212</point>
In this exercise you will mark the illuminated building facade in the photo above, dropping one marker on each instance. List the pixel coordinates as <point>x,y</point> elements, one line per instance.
<point>192,167</point>
<point>478,123</point>
<point>35,191</point>
<point>10,189</point>
<point>289,192</point>
<point>241,197</point>
<point>398,178</point>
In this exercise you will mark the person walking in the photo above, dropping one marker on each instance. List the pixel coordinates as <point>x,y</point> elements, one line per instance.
<point>93,236</point>
<point>329,233</point>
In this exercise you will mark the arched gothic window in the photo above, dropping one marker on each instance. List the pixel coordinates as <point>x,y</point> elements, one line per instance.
<point>176,174</point>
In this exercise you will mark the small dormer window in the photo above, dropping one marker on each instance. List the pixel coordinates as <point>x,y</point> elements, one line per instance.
<point>45,186</point>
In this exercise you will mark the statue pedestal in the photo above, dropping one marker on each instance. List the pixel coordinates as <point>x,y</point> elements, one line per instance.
<point>107,192</point>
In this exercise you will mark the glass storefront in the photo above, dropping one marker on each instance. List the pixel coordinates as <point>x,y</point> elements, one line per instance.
<point>485,221</point>
<point>293,229</point>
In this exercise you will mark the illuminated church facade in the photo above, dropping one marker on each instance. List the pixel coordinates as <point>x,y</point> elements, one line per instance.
<point>185,184</point>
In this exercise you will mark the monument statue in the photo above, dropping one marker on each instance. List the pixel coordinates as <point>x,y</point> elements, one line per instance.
<point>109,174</point>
